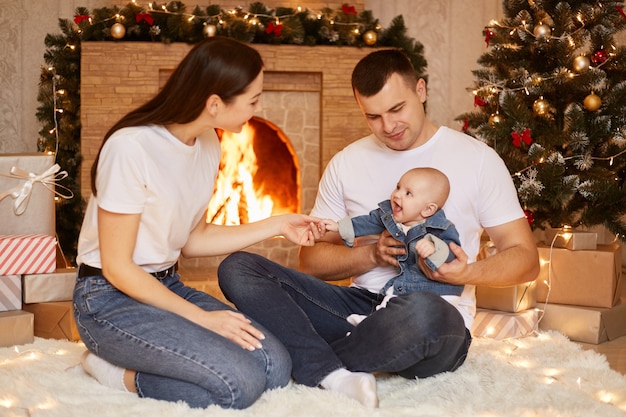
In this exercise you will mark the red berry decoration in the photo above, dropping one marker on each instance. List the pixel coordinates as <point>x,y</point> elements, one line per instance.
<point>599,57</point>
<point>529,216</point>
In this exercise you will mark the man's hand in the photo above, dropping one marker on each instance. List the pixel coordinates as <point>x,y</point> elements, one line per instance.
<point>451,272</point>
<point>387,249</point>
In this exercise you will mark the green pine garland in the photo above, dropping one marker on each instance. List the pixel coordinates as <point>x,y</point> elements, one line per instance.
<point>173,22</point>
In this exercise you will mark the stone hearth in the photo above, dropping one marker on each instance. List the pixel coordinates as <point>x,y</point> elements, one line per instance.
<point>307,94</point>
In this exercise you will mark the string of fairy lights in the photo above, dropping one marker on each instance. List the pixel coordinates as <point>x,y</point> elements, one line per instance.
<point>581,63</point>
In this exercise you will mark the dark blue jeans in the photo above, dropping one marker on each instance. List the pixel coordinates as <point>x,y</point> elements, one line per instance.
<point>176,359</point>
<point>418,335</point>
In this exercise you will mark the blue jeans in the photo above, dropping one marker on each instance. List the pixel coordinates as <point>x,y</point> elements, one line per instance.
<point>417,335</point>
<point>176,359</point>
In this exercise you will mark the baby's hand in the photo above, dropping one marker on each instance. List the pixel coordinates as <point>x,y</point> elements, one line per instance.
<point>424,248</point>
<point>329,225</point>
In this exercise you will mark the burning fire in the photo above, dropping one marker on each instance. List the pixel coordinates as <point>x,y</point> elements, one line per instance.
<point>236,200</point>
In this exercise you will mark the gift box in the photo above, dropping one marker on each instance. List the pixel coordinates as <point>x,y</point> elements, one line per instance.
<point>511,299</point>
<point>585,324</point>
<point>26,204</point>
<point>572,239</point>
<point>16,328</point>
<point>10,292</point>
<point>591,278</point>
<point>42,288</point>
<point>54,320</point>
<point>27,254</point>
<point>503,325</point>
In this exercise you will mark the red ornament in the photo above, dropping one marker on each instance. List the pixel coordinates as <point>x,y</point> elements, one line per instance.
<point>80,17</point>
<point>349,9</point>
<point>144,16</point>
<point>529,217</point>
<point>489,33</point>
<point>465,125</point>
<point>519,137</point>
<point>621,11</point>
<point>275,28</point>
<point>599,57</point>
<point>479,102</point>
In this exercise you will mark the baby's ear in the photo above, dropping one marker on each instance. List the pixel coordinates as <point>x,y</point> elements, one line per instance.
<point>430,209</point>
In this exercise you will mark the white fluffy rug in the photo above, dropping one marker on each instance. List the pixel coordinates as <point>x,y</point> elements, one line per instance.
<point>546,375</point>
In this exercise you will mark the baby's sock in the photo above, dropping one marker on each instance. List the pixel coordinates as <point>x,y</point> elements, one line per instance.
<point>360,386</point>
<point>355,319</point>
<point>104,372</point>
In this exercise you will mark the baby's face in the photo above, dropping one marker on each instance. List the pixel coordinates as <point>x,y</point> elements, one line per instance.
<point>409,199</point>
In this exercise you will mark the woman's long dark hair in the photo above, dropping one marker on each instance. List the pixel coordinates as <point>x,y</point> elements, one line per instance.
<point>221,66</point>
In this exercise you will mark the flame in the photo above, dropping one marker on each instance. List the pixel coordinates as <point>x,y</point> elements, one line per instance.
<point>235,199</point>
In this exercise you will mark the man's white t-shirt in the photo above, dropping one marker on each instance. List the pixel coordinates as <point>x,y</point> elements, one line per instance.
<point>482,193</point>
<point>147,170</point>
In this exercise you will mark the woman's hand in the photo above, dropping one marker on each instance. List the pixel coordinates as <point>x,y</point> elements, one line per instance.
<point>234,327</point>
<point>302,229</point>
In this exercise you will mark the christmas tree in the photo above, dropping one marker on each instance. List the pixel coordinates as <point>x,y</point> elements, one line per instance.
<point>550,98</point>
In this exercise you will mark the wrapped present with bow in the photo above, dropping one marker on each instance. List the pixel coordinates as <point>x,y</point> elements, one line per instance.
<point>28,186</point>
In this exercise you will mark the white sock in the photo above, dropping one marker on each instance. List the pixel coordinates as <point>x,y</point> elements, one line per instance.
<point>360,386</point>
<point>104,372</point>
<point>355,319</point>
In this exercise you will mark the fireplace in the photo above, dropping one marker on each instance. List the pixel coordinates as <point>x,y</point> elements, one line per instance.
<point>258,177</point>
<point>308,110</point>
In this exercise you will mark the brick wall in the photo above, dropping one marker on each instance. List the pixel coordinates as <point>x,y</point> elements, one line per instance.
<point>117,77</point>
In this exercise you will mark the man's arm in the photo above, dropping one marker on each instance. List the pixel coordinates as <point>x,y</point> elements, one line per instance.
<point>330,260</point>
<point>516,262</point>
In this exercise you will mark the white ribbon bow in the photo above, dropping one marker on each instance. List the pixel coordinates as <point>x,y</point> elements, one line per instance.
<point>21,193</point>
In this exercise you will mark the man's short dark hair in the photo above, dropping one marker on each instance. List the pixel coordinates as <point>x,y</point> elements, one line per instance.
<point>372,72</point>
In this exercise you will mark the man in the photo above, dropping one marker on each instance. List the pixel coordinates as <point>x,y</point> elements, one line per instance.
<point>418,334</point>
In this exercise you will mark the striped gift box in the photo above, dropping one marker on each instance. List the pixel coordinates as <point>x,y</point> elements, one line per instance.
<point>10,293</point>
<point>27,254</point>
<point>503,325</point>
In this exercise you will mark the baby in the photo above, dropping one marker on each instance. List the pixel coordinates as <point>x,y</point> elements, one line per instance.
<point>413,215</point>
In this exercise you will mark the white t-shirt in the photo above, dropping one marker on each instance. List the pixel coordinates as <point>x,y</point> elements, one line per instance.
<point>149,171</point>
<point>482,193</point>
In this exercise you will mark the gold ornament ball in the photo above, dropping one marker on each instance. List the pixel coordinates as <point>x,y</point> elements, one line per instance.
<point>209,30</point>
<point>370,37</point>
<point>495,119</point>
<point>581,63</point>
<point>118,31</point>
<point>541,106</point>
<point>592,102</point>
<point>542,31</point>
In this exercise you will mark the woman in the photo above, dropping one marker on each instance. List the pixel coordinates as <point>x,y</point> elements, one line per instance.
<point>151,183</point>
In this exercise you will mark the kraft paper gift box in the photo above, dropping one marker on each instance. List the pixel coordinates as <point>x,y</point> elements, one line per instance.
<point>590,278</point>
<point>27,254</point>
<point>511,299</point>
<point>42,288</point>
<point>16,328</point>
<point>572,239</point>
<point>37,201</point>
<point>54,320</point>
<point>585,324</point>
<point>503,325</point>
<point>10,292</point>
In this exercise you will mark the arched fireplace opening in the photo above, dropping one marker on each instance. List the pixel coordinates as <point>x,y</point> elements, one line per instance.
<point>259,175</point>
